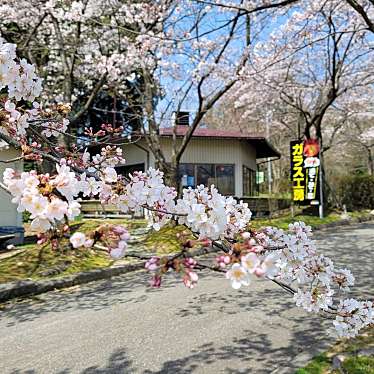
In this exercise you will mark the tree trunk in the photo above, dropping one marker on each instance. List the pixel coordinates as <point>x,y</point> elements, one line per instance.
<point>170,171</point>
<point>370,162</point>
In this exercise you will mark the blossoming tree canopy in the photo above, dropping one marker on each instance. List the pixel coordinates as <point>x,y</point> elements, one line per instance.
<point>87,39</point>
<point>316,62</point>
<point>290,259</point>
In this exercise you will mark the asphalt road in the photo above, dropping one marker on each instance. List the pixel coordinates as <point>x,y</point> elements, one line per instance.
<point>122,326</point>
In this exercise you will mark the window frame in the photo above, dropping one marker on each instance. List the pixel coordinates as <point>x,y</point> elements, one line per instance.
<point>253,186</point>
<point>195,168</point>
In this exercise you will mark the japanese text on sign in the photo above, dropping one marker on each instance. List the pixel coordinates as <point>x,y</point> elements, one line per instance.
<point>297,171</point>
<point>304,171</point>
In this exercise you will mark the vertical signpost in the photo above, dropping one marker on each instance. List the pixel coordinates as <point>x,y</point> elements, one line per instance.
<point>305,172</point>
<point>297,171</point>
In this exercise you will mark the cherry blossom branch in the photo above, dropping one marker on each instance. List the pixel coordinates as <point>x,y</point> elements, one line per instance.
<point>5,188</point>
<point>12,160</point>
<point>359,9</point>
<point>90,99</point>
<point>245,10</point>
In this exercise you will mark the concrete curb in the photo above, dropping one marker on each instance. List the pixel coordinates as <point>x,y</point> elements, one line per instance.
<point>24,288</point>
<point>345,222</point>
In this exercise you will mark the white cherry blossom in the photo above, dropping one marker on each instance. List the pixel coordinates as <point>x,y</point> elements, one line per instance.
<point>78,239</point>
<point>238,276</point>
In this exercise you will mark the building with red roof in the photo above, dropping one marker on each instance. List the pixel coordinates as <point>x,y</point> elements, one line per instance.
<point>226,158</point>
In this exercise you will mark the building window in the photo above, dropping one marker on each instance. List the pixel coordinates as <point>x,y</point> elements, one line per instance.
<point>221,175</point>
<point>249,182</point>
<point>205,174</point>
<point>186,175</point>
<point>225,179</point>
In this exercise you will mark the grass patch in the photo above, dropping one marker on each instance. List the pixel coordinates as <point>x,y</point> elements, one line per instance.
<point>166,240</point>
<point>41,262</point>
<point>313,221</point>
<point>355,362</point>
<point>359,365</point>
<point>87,225</point>
<point>37,262</point>
<point>319,365</point>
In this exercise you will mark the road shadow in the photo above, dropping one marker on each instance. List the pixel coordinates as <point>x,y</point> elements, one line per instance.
<point>117,363</point>
<point>93,296</point>
<point>355,251</point>
<point>250,352</point>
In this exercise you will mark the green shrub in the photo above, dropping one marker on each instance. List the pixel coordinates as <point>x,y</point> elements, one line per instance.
<point>357,192</point>
<point>359,365</point>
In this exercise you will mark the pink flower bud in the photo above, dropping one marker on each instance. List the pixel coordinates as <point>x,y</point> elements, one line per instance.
<point>119,230</point>
<point>193,276</point>
<point>205,243</point>
<point>190,279</point>
<point>152,264</point>
<point>156,281</point>
<point>190,262</point>
<point>259,272</point>
<point>226,259</point>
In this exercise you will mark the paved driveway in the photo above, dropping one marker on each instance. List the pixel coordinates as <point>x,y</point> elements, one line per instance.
<point>122,326</point>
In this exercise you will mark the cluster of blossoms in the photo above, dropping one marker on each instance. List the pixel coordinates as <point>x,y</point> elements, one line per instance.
<point>19,78</point>
<point>211,214</point>
<point>16,123</point>
<point>251,264</point>
<point>21,83</point>
<point>108,18</point>
<point>368,135</point>
<point>290,258</point>
<point>317,279</point>
<point>145,189</point>
<point>352,316</point>
<point>79,239</point>
<point>40,196</point>
<point>203,209</point>
<point>159,266</point>
<point>53,199</point>
<point>55,128</point>
<point>248,257</point>
<point>19,120</point>
<point>113,237</point>
<point>104,162</point>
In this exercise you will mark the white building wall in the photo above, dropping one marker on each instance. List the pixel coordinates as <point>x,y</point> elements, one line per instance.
<point>133,154</point>
<point>8,211</point>
<point>248,159</point>
<point>217,151</point>
<point>202,150</point>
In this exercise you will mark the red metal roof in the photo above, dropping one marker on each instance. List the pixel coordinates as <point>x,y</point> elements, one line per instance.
<point>263,147</point>
<point>209,133</point>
